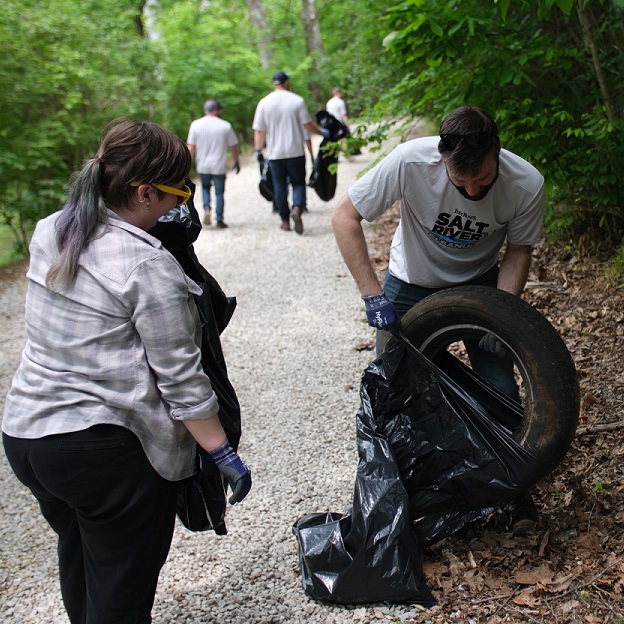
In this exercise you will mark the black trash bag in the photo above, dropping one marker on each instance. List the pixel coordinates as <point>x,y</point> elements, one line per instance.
<point>432,460</point>
<point>451,433</point>
<point>215,311</point>
<point>322,180</point>
<point>265,186</point>
<point>370,553</point>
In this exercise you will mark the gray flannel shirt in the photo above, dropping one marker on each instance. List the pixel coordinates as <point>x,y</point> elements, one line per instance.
<point>121,347</point>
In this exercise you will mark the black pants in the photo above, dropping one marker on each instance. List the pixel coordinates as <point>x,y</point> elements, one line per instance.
<point>113,513</point>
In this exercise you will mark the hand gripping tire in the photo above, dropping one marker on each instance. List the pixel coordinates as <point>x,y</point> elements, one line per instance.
<point>551,391</point>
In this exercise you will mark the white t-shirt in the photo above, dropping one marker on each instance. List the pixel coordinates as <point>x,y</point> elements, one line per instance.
<point>337,108</point>
<point>281,115</point>
<point>444,239</point>
<point>211,137</point>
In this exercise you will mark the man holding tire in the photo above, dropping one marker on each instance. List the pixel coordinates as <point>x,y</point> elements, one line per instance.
<point>461,198</point>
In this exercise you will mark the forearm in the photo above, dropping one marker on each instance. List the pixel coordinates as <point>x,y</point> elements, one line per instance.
<point>234,152</point>
<point>259,136</point>
<point>312,128</point>
<point>347,224</point>
<point>208,433</point>
<point>514,269</point>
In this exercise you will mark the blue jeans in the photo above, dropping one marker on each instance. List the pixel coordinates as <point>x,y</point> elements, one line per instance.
<point>498,371</point>
<point>281,170</point>
<point>219,183</point>
<point>113,513</point>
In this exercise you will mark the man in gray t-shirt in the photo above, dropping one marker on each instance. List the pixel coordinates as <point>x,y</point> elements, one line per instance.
<point>461,197</point>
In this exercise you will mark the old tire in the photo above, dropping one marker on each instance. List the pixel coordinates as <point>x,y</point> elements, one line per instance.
<point>551,391</point>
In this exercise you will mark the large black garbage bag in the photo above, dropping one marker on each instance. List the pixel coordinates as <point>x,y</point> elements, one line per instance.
<point>432,460</point>
<point>322,180</point>
<point>452,438</point>
<point>370,553</point>
<point>215,311</point>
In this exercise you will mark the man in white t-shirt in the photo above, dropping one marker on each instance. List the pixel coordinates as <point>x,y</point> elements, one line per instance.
<point>337,107</point>
<point>461,196</point>
<point>280,119</point>
<point>209,139</point>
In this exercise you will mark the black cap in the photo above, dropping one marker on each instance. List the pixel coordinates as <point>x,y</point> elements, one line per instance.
<point>279,77</point>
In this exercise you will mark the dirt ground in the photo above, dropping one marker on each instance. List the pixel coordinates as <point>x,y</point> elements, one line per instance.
<point>571,568</point>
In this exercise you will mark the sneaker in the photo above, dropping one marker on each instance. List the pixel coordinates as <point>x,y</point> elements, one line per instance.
<point>295,213</point>
<point>524,515</point>
<point>207,219</point>
<point>221,225</point>
<point>285,226</point>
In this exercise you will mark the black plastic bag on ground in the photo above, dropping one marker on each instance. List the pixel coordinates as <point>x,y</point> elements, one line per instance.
<point>432,460</point>
<point>370,553</point>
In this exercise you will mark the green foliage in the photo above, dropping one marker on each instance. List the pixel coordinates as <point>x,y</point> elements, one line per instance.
<point>203,56</point>
<point>550,71</point>
<point>72,67</point>
<point>537,72</point>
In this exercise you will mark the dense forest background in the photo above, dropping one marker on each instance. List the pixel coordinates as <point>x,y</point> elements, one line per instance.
<point>550,71</point>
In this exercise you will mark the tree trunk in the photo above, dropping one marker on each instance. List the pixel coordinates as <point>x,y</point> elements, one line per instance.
<point>314,45</point>
<point>592,48</point>
<point>264,40</point>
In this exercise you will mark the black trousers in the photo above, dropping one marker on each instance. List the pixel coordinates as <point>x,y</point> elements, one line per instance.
<point>113,513</point>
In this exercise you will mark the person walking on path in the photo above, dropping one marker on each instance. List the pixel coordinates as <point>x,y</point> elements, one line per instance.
<point>209,139</point>
<point>280,119</point>
<point>461,198</point>
<point>110,399</point>
<point>336,106</point>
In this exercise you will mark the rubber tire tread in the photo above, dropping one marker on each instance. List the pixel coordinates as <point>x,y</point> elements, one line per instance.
<point>552,403</point>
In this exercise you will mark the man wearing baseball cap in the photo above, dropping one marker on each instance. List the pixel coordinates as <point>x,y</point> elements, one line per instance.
<point>280,119</point>
<point>209,139</point>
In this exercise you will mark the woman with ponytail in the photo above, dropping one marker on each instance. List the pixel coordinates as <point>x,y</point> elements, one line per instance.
<point>110,400</point>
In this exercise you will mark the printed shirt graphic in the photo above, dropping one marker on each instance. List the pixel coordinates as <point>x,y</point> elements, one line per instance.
<point>444,239</point>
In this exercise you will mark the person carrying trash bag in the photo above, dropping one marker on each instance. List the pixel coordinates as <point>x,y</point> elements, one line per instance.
<point>461,198</point>
<point>110,400</point>
<point>280,119</point>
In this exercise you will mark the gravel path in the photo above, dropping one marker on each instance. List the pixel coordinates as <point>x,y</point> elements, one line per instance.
<point>292,357</point>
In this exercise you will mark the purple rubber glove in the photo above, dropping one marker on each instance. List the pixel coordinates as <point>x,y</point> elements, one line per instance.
<point>380,313</point>
<point>234,470</point>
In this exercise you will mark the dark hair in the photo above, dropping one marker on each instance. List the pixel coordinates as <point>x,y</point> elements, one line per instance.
<point>466,160</point>
<point>130,150</point>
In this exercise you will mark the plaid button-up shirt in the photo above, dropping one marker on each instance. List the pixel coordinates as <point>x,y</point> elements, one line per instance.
<point>121,347</point>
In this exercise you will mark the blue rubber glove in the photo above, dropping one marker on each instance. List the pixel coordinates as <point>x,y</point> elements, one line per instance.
<point>492,344</point>
<point>380,312</point>
<point>326,132</point>
<point>234,470</point>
